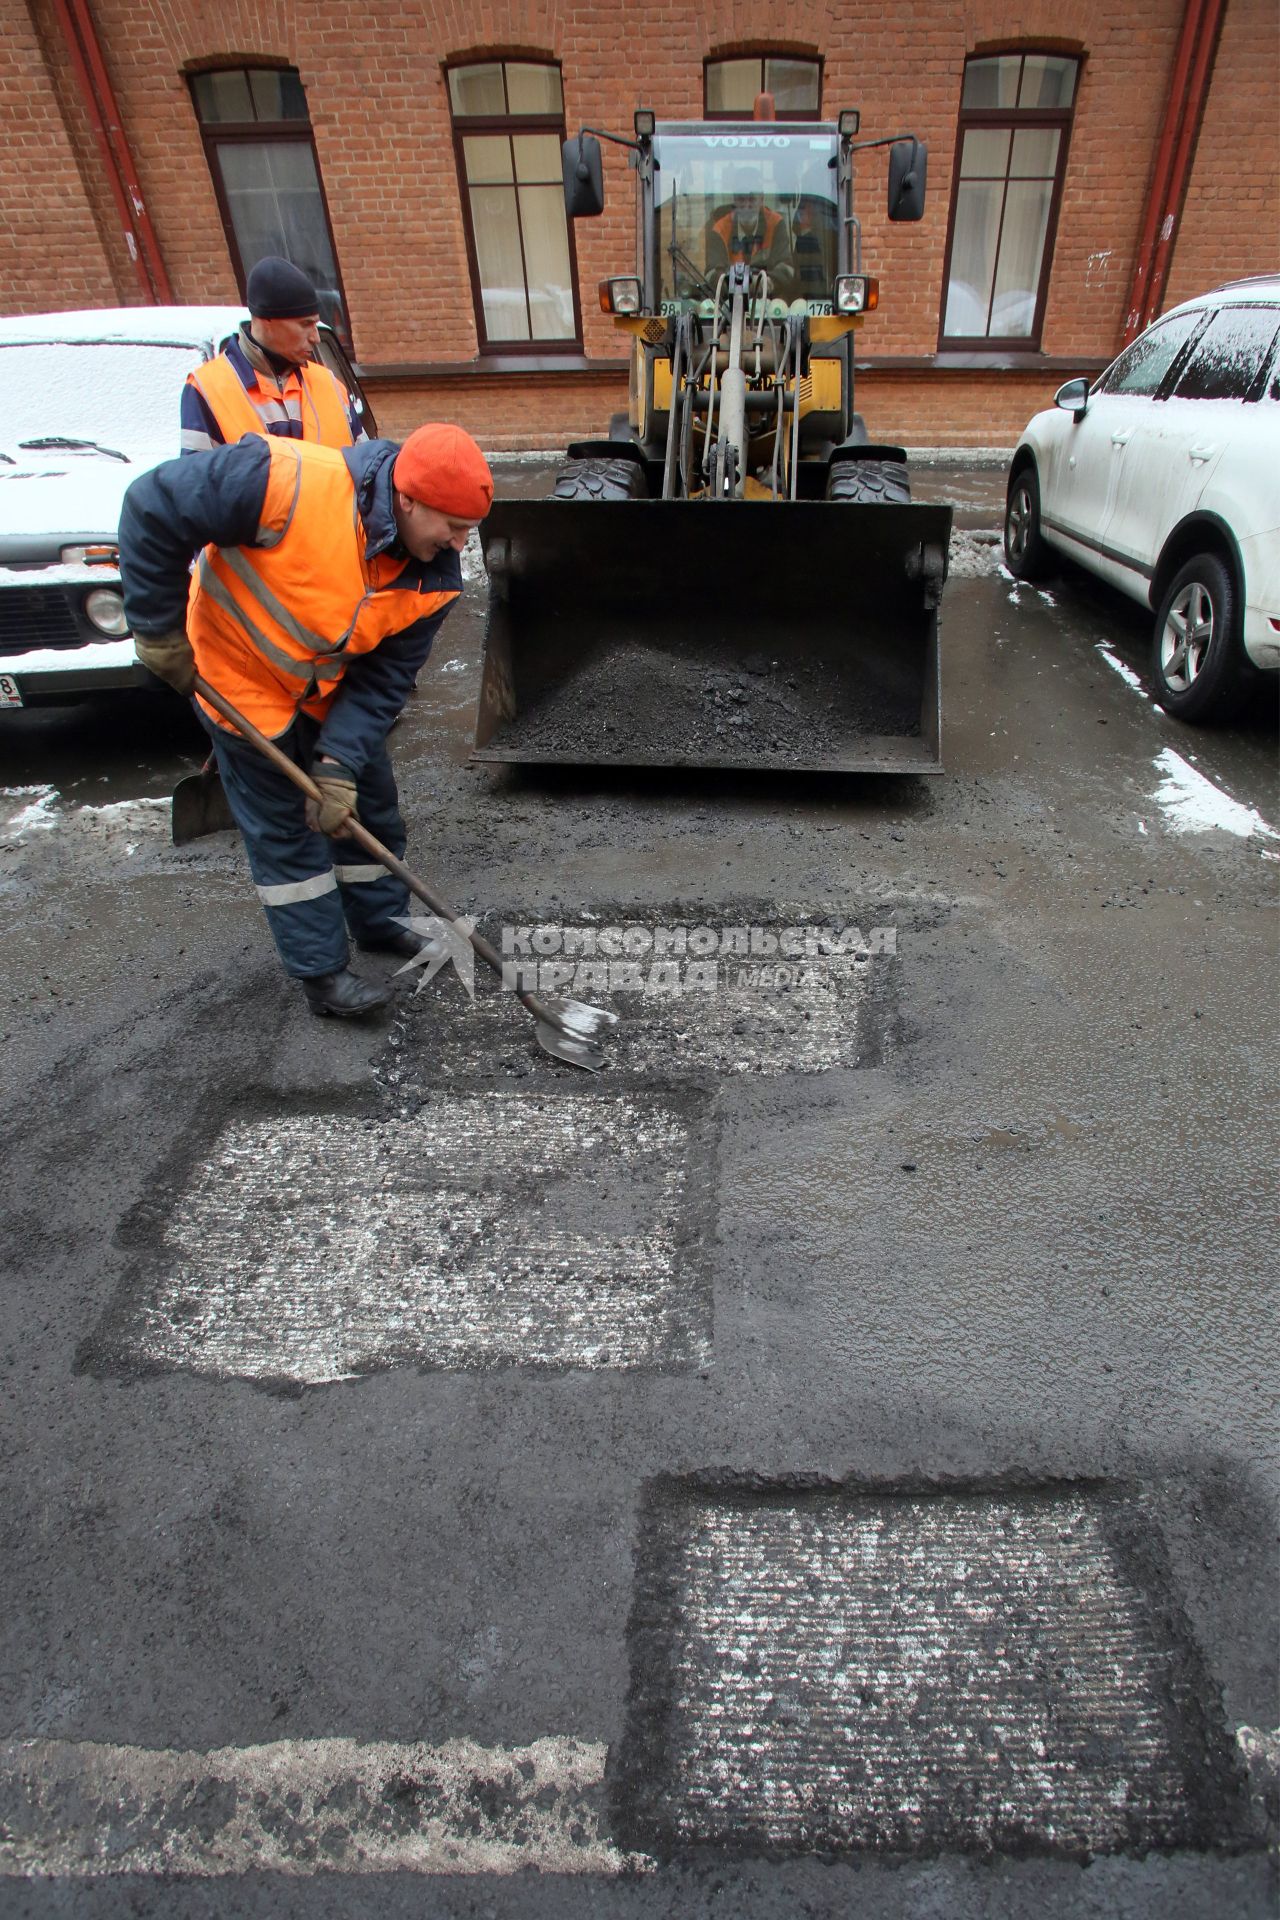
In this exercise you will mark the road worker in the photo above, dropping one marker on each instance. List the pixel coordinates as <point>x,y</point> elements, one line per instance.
<point>752,232</point>
<point>265,380</point>
<point>322,583</point>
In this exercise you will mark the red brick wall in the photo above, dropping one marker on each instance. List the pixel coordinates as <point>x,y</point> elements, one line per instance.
<point>51,252</point>
<point>379,108</point>
<point>944,409</point>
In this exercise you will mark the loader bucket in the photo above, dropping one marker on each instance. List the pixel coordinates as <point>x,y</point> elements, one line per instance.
<point>671,633</point>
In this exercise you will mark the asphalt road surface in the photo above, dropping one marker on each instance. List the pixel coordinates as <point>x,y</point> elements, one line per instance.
<point>822,1465</point>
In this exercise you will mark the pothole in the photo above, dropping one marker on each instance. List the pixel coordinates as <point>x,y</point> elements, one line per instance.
<point>840,1671</point>
<point>750,994</point>
<point>486,1229</point>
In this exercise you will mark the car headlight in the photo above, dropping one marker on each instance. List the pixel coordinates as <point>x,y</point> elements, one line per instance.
<point>856,293</point>
<point>620,296</point>
<point>104,607</point>
<point>100,555</point>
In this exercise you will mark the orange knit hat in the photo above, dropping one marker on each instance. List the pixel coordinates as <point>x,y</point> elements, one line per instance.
<point>444,468</point>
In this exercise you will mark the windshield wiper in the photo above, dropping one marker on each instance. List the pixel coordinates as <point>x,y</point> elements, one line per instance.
<point>57,440</point>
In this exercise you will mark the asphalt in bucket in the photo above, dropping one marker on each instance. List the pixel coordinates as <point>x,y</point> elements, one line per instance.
<point>633,697</point>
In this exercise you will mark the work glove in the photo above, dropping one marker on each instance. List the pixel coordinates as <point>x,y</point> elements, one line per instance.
<point>337,802</point>
<point>169,657</point>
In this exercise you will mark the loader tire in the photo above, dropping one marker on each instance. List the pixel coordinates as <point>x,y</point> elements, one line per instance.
<point>601,480</point>
<point>869,482</point>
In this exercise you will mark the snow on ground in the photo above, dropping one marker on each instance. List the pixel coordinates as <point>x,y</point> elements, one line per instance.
<point>1192,804</point>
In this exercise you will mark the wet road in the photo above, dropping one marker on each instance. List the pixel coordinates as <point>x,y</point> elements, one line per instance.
<point>824,1464</point>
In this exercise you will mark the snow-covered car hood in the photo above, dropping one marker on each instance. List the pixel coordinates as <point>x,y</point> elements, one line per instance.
<point>77,495</point>
<point>123,395</point>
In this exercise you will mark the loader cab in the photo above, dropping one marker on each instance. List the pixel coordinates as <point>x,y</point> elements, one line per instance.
<point>767,190</point>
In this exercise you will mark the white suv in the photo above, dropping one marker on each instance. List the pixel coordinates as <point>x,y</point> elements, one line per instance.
<point>1164,478</point>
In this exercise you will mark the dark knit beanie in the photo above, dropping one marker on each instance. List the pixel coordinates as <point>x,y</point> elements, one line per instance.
<point>278,290</point>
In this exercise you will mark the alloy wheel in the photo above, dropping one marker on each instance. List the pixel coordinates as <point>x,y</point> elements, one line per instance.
<point>1187,637</point>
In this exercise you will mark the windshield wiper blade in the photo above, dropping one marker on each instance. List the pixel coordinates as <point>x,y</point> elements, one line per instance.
<point>57,440</point>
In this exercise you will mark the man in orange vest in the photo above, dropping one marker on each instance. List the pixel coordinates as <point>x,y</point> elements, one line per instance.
<point>265,379</point>
<point>754,233</point>
<point>323,580</point>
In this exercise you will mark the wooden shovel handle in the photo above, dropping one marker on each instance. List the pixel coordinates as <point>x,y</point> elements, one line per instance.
<point>355,828</point>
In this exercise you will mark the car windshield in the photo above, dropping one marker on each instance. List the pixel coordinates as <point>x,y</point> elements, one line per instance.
<point>123,395</point>
<point>770,199</point>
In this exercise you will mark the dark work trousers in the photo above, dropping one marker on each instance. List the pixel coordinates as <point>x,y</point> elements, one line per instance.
<point>313,888</point>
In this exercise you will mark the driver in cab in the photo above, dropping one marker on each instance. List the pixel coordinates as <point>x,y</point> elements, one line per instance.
<point>752,232</point>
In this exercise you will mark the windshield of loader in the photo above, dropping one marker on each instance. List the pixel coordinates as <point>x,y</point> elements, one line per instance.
<point>770,199</point>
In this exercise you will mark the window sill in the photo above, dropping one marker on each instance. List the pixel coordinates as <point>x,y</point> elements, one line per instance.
<point>996,360</point>
<point>501,365</point>
<point>488,365</point>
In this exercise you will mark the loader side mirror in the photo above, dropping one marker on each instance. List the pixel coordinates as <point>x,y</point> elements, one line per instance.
<point>908,164</point>
<point>583,171</point>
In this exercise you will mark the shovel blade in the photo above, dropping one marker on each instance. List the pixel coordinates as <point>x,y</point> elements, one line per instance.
<point>577,1053</point>
<point>199,806</point>
<point>574,1018</point>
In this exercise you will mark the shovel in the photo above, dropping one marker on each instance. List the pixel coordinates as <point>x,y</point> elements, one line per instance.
<point>200,805</point>
<point>568,1029</point>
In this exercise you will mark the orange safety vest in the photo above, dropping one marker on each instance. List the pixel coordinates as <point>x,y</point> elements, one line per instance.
<point>321,404</point>
<point>724,227</point>
<point>274,626</point>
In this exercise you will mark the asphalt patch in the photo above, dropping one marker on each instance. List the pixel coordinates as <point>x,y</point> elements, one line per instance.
<point>744,993</point>
<point>845,1670</point>
<point>302,1244</point>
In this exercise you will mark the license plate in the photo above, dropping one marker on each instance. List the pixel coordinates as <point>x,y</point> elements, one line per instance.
<point>9,694</point>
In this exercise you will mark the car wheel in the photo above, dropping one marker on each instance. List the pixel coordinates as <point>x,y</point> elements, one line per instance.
<point>1196,666</point>
<point>1025,553</point>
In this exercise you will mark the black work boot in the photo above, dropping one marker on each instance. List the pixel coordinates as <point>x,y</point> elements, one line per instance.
<point>403,941</point>
<point>344,995</point>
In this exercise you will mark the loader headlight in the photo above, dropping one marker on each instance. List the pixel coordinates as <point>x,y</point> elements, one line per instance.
<point>644,122</point>
<point>104,608</point>
<point>619,296</point>
<point>856,293</point>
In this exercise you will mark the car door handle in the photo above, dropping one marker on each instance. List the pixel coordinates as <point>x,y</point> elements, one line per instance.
<point>1201,453</point>
<point>1121,436</point>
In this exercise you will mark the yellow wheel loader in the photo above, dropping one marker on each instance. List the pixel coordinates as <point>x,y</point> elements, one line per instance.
<point>736,576</point>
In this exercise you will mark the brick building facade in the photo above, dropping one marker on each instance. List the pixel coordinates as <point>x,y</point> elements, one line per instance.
<point>376,91</point>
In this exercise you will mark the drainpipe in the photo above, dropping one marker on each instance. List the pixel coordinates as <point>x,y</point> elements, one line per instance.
<point>1201,75</point>
<point>1188,90</point>
<point>85,51</point>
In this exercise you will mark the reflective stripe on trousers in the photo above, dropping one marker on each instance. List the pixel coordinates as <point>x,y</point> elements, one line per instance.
<point>312,889</point>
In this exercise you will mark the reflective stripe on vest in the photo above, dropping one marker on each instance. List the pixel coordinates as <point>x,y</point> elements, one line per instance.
<point>274,626</point>
<point>321,410</point>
